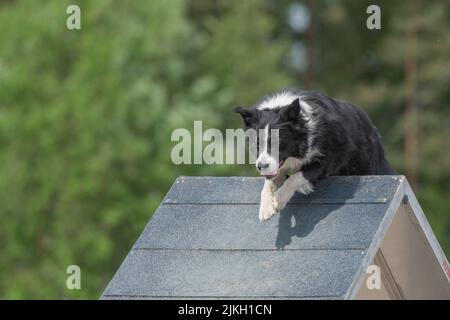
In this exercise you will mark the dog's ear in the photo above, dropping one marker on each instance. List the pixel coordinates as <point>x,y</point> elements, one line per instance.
<point>248,115</point>
<point>291,113</point>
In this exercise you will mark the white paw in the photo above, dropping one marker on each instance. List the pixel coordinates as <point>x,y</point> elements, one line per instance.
<point>306,188</point>
<point>280,200</point>
<point>266,210</point>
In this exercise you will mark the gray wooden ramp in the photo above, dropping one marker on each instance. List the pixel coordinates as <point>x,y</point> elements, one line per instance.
<point>205,241</point>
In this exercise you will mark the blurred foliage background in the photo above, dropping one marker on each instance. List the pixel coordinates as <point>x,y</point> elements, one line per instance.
<point>86,115</point>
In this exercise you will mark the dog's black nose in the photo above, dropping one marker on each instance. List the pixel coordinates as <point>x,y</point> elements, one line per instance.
<point>261,166</point>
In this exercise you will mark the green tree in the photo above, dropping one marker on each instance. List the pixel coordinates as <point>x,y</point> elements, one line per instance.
<point>85,124</point>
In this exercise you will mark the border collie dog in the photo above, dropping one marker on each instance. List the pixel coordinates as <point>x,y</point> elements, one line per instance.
<point>318,136</point>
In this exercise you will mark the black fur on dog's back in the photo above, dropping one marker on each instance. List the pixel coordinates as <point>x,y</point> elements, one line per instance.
<point>346,138</point>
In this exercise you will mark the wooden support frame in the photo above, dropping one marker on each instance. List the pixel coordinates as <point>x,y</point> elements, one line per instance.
<point>412,263</point>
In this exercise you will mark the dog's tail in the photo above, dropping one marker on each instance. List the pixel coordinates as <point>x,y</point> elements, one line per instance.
<point>382,165</point>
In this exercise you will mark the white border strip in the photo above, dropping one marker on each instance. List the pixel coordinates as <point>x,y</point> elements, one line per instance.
<point>377,240</point>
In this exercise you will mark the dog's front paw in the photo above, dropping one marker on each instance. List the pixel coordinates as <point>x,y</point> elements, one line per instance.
<point>279,200</point>
<point>266,209</point>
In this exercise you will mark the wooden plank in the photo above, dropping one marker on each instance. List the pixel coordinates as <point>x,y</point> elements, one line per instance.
<point>382,228</point>
<point>413,205</point>
<point>241,274</point>
<point>238,227</point>
<point>411,259</point>
<point>244,190</point>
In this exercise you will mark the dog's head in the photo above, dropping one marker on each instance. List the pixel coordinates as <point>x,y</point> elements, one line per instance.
<point>292,139</point>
